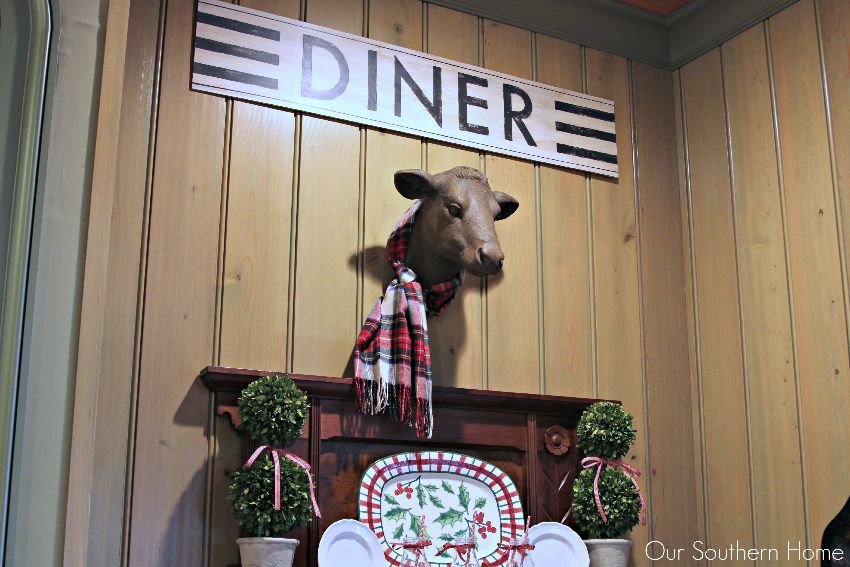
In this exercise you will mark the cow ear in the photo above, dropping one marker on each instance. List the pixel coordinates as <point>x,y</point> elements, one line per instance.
<point>508,204</point>
<point>414,183</point>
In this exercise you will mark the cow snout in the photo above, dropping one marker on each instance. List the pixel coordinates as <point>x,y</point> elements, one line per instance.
<point>491,258</point>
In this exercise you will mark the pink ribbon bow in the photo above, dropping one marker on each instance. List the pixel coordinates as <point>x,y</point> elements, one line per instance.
<point>276,453</point>
<point>628,470</point>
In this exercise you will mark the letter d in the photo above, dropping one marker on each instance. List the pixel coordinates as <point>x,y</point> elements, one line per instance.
<point>307,89</point>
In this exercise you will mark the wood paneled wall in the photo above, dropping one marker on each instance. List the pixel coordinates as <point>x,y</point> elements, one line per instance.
<point>765,140</point>
<point>258,242</point>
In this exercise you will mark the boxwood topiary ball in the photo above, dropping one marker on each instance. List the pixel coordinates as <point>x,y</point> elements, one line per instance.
<point>620,500</point>
<point>273,410</point>
<point>251,496</point>
<point>605,430</point>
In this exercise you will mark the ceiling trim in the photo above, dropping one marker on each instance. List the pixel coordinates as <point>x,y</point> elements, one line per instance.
<point>664,41</point>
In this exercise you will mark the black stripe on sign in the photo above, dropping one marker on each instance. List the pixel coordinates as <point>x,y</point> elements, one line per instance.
<point>586,132</point>
<point>237,26</point>
<point>584,111</point>
<point>587,154</point>
<point>237,51</point>
<point>237,76</point>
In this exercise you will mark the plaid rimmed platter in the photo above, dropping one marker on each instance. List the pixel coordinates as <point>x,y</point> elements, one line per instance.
<point>455,493</point>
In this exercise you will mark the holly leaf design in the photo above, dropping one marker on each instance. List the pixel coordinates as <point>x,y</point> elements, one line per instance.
<point>431,487</point>
<point>420,495</point>
<point>436,501</point>
<point>480,503</point>
<point>397,513</point>
<point>391,499</point>
<point>450,517</point>
<point>446,537</point>
<point>448,487</point>
<point>463,496</point>
<point>398,532</point>
<point>461,533</point>
<point>416,526</point>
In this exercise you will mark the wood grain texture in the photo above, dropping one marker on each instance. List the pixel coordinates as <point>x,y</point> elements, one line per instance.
<point>565,255</point>
<point>256,278</point>
<point>457,340</point>
<point>342,15</point>
<point>452,34</point>
<point>105,364</point>
<point>326,315</point>
<point>615,261</point>
<point>255,301</point>
<point>720,360</point>
<point>285,8</point>
<point>691,316</point>
<point>765,301</point>
<point>816,264</point>
<point>513,345</point>
<point>171,448</point>
<point>835,37</point>
<point>665,328</point>
<point>326,318</point>
<point>398,22</point>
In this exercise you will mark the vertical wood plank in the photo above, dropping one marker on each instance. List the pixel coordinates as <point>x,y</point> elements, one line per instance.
<point>695,382</point>
<point>565,221</point>
<point>326,318</point>
<point>171,447</point>
<point>834,19</point>
<point>513,347</point>
<point>835,36</point>
<point>618,324</point>
<point>456,335</point>
<point>816,264</point>
<point>452,34</point>
<point>342,15</point>
<point>720,352</point>
<point>106,368</point>
<point>256,273</point>
<point>766,315</point>
<point>398,22</point>
<point>256,278</point>
<point>665,330</point>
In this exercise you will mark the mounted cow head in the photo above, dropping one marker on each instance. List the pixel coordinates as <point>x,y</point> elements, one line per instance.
<point>455,224</point>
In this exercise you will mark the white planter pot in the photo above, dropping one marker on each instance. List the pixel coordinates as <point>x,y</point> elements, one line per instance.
<point>608,552</point>
<point>266,551</point>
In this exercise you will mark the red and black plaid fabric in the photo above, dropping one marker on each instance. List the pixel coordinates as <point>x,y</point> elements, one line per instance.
<point>392,357</point>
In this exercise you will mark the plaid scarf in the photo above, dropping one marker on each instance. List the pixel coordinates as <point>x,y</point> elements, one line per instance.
<point>392,357</point>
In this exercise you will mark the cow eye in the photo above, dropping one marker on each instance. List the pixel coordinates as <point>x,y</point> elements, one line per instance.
<point>455,210</point>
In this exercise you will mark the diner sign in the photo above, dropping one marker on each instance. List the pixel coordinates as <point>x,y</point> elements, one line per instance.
<point>261,57</point>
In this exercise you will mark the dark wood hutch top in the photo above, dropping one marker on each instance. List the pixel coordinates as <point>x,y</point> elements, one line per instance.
<point>529,436</point>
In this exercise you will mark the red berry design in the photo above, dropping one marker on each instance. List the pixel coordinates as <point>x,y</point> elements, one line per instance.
<point>491,529</point>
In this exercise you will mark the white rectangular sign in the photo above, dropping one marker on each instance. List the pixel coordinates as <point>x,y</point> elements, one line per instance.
<point>261,57</point>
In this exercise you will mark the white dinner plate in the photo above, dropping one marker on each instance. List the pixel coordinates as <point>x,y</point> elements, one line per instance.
<point>350,543</point>
<point>556,545</point>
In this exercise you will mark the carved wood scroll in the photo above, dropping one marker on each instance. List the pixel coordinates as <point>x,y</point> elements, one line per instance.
<point>530,437</point>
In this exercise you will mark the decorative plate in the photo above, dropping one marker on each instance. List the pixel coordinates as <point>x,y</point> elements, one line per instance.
<point>455,493</point>
<point>350,543</point>
<point>557,544</point>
